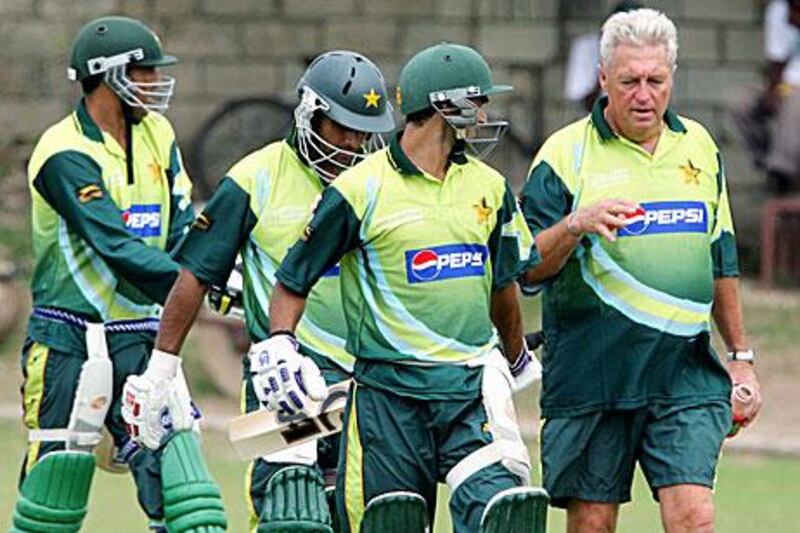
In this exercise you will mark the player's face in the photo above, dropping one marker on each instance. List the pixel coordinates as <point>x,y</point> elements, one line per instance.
<point>143,75</point>
<point>340,137</point>
<point>639,86</point>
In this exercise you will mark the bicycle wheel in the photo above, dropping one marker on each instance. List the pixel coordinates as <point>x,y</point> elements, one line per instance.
<point>236,129</point>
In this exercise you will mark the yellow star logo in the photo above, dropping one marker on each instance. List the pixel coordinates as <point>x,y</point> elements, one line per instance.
<point>482,211</point>
<point>691,174</point>
<point>155,171</point>
<point>372,98</point>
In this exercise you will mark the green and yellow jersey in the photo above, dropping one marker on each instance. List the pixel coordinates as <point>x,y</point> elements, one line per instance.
<point>102,220</point>
<point>420,258</point>
<point>628,322</point>
<point>259,210</point>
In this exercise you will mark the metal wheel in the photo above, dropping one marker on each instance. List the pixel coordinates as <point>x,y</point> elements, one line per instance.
<point>237,128</point>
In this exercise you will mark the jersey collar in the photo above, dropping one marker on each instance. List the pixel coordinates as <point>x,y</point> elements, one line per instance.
<point>88,126</point>
<point>671,119</point>
<point>404,165</point>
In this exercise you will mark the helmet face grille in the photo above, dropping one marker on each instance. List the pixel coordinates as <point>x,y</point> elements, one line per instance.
<point>326,159</point>
<point>152,96</point>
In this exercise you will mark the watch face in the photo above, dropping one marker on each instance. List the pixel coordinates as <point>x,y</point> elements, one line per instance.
<point>748,355</point>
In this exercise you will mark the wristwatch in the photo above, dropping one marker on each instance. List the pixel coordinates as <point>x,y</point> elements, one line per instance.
<point>744,355</point>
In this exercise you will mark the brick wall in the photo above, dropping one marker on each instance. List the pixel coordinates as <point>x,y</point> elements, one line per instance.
<point>234,48</point>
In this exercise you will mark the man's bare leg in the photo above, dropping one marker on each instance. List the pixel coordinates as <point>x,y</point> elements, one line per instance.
<point>686,508</point>
<point>591,517</point>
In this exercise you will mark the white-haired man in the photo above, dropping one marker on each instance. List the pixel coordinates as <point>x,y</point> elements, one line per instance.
<point>630,212</point>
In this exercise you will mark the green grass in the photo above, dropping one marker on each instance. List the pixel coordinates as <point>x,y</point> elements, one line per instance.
<point>753,494</point>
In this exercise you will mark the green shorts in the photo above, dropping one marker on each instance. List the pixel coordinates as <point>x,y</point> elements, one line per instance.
<point>50,382</point>
<point>592,457</point>
<point>397,443</point>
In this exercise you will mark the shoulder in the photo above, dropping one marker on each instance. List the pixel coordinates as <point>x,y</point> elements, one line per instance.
<point>561,147</point>
<point>60,138</point>
<point>160,125</point>
<point>489,177</point>
<point>562,151</point>
<point>696,132</point>
<point>259,164</point>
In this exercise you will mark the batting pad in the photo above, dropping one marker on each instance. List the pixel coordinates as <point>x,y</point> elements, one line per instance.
<point>192,502</point>
<point>395,512</point>
<point>54,495</point>
<point>295,501</point>
<point>517,510</point>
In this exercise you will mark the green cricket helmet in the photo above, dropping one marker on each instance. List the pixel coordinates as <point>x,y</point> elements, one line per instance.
<point>349,89</point>
<point>107,45</point>
<point>450,78</point>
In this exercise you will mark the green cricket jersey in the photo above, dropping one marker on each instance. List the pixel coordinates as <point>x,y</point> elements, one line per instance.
<point>102,220</point>
<point>259,210</point>
<point>627,322</point>
<point>419,260</point>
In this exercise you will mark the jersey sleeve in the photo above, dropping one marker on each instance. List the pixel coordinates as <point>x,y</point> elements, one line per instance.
<point>332,232</point>
<point>723,240</point>
<point>510,243</point>
<point>210,248</point>
<point>71,183</point>
<point>181,212</point>
<point>545,198</point>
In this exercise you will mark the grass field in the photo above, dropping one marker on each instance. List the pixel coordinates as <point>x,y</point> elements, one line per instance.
<point>754,493</point>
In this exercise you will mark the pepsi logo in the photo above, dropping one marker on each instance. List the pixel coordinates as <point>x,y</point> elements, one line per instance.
<point>425,264</point>
<point>666,217</point>
<point>446,262</point>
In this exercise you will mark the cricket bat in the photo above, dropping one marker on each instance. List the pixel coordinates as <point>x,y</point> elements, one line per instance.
<point>263,432</point>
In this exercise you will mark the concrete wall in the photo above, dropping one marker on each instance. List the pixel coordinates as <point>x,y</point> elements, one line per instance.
<point>235,48</point>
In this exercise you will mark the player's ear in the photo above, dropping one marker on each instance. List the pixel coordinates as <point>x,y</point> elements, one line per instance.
<point>603,75</point>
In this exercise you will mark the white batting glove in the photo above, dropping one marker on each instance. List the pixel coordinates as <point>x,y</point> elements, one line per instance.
<point>283,378</point>
<point>157,402</point>
<point>526,369</point>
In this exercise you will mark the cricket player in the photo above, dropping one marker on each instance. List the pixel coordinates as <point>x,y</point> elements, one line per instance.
<point>110,198</point>
<point>430,241</point>
<point>630,211</point>
<point>258,211</point>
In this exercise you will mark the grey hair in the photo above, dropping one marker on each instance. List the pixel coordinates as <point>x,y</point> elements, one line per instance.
<point>639,27</point>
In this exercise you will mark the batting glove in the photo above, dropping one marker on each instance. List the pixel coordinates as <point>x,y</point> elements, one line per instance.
<point>283,379</point>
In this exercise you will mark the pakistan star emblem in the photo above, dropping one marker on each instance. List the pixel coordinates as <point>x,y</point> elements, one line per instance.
<point>482,211</point>
<point>691,174</point>
<point>155,171</point>
<point>372,98</point>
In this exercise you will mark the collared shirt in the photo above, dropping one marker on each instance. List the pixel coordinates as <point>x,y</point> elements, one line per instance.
<point>627,322</point>
<point>420,258</point>
<point>103,218</point>
<point>259,210</point>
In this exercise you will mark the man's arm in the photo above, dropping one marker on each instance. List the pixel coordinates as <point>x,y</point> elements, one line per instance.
<point>332,232</point>
<point>285,309</point>
<point>180,311</point>
<point>506,315</point>
<point>727,312</point>
<point>556,243</point>
<point>71,183</point>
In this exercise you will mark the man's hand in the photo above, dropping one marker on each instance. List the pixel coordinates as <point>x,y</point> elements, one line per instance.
<point>157,401</point>
<point>744,377</point>
<point>284,379</point>
<point>603,218</point>
<point>526,369</point>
